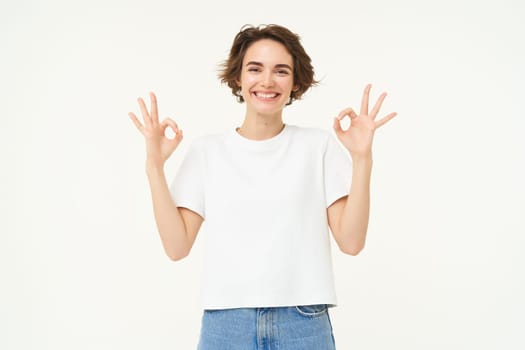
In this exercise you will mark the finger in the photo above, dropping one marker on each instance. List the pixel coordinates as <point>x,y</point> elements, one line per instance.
<point>337,127</point>
<point>145,114</point>
<point>154,109</point>
<point>377,106</point>
<point>385,119</point>
<point>364,101</point>
<point>169,122</point>
<point>172,123</point>
<point>347,112</point>
<point>136,121</point>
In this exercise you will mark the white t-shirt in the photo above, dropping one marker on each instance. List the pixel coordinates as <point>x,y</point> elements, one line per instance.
<point>264,203</point>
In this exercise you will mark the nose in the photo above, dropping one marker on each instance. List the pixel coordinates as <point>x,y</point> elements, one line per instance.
<point>267,79</point>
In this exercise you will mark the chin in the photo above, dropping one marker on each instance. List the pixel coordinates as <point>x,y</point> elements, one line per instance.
<point>269,111</point>
<point>267,108</point>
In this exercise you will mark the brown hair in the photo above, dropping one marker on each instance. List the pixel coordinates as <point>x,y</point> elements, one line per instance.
<point>303,71</point>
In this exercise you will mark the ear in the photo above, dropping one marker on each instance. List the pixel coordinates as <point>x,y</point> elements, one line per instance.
<point>295,88</point>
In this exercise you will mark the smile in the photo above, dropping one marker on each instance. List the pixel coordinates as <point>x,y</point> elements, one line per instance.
<point>266,95</point>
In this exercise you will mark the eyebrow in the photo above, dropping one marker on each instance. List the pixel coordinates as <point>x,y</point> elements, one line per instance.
<point>280,65</point>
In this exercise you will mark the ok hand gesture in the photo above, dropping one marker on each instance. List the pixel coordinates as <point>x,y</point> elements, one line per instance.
<point>359,136</point>
<point>158,146</point>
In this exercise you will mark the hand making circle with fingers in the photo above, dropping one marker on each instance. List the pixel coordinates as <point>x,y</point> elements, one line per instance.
<point>158,146</point>
<point>359,135</point>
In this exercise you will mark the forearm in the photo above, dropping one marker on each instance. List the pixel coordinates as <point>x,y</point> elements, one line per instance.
<point>167,217</point>
<point>356,212</point>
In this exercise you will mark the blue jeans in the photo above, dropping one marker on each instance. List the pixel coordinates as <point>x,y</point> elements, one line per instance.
<point>304,327</point>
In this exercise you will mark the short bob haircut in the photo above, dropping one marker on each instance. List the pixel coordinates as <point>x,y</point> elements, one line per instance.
<point>303,71</point>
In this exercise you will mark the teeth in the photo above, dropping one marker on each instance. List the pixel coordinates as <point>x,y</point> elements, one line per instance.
<point>263,95</point>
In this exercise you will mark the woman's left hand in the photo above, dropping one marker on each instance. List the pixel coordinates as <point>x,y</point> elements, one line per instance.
<point>360,134</point>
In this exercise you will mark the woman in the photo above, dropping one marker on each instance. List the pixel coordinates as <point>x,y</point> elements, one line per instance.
<point>268,192</point>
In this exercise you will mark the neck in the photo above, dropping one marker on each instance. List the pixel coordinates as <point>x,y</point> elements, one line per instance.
<point>261,127</point>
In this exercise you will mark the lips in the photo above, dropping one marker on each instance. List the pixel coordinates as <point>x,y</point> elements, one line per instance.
<point>266,95</point>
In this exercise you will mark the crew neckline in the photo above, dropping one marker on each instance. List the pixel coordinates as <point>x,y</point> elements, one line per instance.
<point>260,143</point>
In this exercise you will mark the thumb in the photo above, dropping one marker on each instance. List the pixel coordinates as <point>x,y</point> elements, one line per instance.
<point>178,132</point>
<point>168,122</point>
<point>337,127</point>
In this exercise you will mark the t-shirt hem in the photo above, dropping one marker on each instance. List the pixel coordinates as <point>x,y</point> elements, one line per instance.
<point>329,303</point>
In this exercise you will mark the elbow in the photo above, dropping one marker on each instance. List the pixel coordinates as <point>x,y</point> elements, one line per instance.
<point>352,250</point>
<point>177,256</point>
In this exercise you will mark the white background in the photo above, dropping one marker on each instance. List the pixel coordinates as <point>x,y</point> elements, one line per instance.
<point>82,266</point>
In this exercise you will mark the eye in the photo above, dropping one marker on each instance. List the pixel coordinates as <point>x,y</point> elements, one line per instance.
<point>253,69</point>
<point>283,72</point>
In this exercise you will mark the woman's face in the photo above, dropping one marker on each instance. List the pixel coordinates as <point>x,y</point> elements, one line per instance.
<point>266,77</point>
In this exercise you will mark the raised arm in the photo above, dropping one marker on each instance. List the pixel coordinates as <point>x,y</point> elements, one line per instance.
<point>178,227</point>
<point>348,217</point>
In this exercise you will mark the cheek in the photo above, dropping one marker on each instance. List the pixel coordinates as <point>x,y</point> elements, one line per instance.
<point>286,84</point>
<point>246,82</point>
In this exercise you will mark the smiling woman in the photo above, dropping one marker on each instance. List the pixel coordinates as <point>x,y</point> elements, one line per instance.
<point>266,80</point>
<point>299,63</point>
<point>269,193</point>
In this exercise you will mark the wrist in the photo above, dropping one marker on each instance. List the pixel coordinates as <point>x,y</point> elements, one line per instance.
<point>363,159</point>
<point>154,167</point>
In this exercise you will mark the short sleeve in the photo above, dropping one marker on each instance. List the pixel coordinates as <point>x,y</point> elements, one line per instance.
<point>337,170</point>
<point>187,187</point>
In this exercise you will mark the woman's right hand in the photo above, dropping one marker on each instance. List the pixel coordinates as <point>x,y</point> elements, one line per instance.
<point>158,146</point>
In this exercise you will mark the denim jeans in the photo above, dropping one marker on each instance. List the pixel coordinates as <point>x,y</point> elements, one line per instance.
<point>304,327</point>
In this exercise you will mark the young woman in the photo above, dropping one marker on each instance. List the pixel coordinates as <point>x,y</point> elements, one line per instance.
<point>268,192</point>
